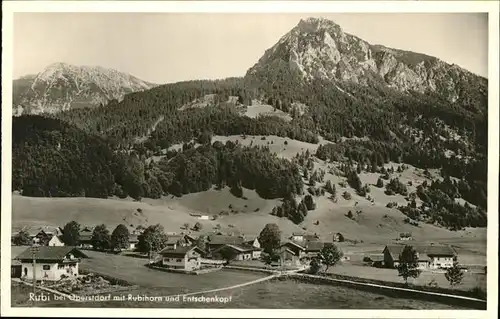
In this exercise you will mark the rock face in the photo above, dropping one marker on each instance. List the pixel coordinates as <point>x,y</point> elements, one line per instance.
<point>63,86</point>
<point>318,48</point>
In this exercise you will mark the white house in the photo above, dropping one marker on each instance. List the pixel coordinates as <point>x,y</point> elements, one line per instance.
<point>55,241</point>
<point>297,237</point>
<point>52,262</point>
<point>183,258</point>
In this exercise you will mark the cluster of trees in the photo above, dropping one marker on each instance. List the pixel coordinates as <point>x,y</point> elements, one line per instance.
<point>232,165</point>
<point>296,212</point>
<point>396,187</point>
<point>101,238</point>
<point>52,158</point>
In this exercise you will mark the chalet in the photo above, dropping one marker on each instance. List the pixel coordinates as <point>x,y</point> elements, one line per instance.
<point>85,240</point>
<point>254,242</point>
<point>132,241</point>
<point>291,253</point>
<point>297,237</point>
<point>377,260</point>
<point>217,241</point>
<point>52,262</point>
<point>175,241</point>
<point>405,236</point>
<point>200,216</point>
<point>433,257</point>
<point>241,252</point>
<point>186,258</point>
<point>55,241</point>
<point>312,248</point>
<point>441,256</point>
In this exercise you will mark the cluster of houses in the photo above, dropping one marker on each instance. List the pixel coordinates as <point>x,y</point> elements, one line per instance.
<point>54,260</point>
<point>429,256</point>
<point>52,236</point>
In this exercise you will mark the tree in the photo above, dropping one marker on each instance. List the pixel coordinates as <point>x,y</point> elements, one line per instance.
<point>270,238</point>
<point>380,183</point>
<point>236,189</point>
<point>341,237</point>
<point>349,215</point>
<point>71,234</point>
<point>101,240</point>
<point>120,237</point>
<point>309,202</point>
<point>314,266</point>
<point>198,226</point>
<point>22,239</point>
<point>228,254</point>
<point>186,225</point>
<point>201,242</point>
<point>153,239</point>
<point>408,264</point>
<point>454,275</point>
<point>269,258</point>
<point>330,255</point>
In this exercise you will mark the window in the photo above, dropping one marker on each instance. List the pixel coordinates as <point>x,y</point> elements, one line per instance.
<point>46,267</point>
<point>60,266</point>
<point>179,260</point>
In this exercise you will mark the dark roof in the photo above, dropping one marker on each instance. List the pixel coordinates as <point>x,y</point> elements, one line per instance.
<point>293,244</point>
<point>179,251</point>
<point>50,253</point>
<point>440,250</point>
<point>311,237</point>
<point>225,240</point>
<point>316,245</point>
<point>298,234</point>
<point>239,248</point>
<point>377,257</point>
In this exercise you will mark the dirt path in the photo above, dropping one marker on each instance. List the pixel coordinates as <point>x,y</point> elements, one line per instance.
<point>228,288</point>
<point>278,274</point>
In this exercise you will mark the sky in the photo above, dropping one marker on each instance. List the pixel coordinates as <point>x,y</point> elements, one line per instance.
<point>171,47</point>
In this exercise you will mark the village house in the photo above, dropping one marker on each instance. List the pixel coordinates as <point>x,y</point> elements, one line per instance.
<point>132,241</point>
<point>241,252</point>
<point>52,262</point>
<point>217,241</point>
<point>186,258</point>
<point>405,236</point>
<point>429,257</point>
<point>254,242</point>
<point>297,237</point>
<point>85,240</point>
<point>291,254</point>
<point>312,248</point>
<point>175,241</point>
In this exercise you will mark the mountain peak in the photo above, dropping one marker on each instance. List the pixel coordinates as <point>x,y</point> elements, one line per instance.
<point>317,48</point>
<point>61,86</point>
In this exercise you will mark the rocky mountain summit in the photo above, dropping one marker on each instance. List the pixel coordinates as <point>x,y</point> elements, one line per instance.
<point>62,86</point>
<point>318,48</point>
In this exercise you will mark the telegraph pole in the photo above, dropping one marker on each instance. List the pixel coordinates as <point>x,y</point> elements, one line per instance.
<point>34,250</point>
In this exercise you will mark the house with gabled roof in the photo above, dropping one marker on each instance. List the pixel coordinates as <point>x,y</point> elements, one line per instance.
<point>217,241</point>
<point>241,251</point>
<point>291,253</point>
<point>52,262</point>
<point>174,241</point>
<point>187,258</point>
